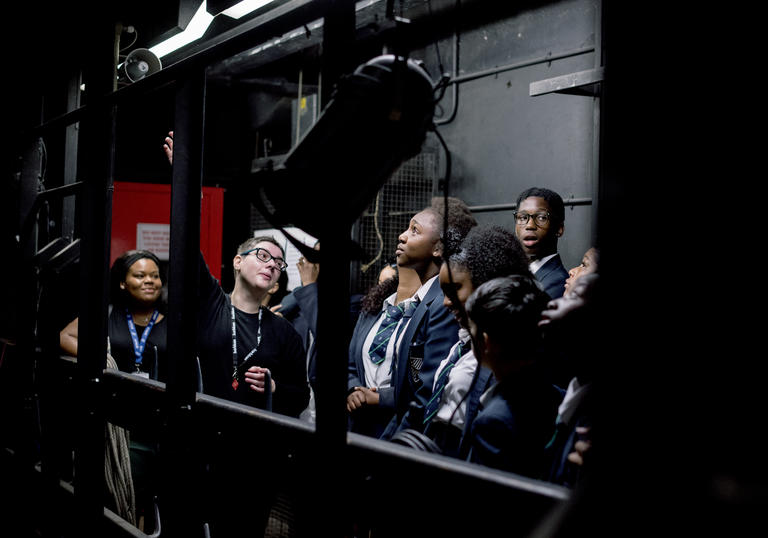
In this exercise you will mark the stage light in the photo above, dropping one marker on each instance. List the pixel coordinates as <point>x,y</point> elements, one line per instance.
<point>376,119</point>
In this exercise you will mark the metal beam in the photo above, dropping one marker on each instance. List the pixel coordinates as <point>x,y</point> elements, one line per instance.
<point>97,142</point>
<point>576,83</point>
<point>177,450</point>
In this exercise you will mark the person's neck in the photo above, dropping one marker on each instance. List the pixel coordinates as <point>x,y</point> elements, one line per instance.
<point>426,271</point>
<point>142,313</point>
<point>408,283</point>
<point>535,256</point>
<point>246,300</point>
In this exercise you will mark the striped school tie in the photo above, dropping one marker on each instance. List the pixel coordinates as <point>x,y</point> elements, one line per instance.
<point>378,349</point>
<point>434,402</point>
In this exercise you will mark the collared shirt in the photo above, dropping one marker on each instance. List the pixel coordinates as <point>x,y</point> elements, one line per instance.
<point>573,396</point>
<point>453,405</point>
<point>380,375</point>
<point>489,393</point>
<point>537,264</point>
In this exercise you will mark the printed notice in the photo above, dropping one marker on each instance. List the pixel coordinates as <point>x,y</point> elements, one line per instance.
<point>155,238</point>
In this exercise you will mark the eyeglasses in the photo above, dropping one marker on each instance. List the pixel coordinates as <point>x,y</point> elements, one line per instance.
<point>263,255</point>
<point>541,219</point>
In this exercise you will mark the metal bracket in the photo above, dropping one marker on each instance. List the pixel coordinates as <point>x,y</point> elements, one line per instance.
<point>580,83</point>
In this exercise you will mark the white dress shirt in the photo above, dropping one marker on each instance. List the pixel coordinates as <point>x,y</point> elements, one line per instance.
<point>453,405</point>
<point>536,264</point>
<point>380,375</point>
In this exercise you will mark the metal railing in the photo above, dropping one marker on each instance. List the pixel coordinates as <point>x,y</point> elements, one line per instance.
<point>343,475</point>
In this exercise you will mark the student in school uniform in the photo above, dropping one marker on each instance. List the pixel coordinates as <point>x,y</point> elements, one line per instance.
<point>487,252</point>
<point>394,354</point>
<point>515,422</point>
<point>539,223</point>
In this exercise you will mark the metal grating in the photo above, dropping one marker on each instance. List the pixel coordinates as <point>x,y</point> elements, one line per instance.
<point>407,191</point>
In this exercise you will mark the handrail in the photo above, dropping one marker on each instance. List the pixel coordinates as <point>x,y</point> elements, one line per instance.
<point>204,404</point>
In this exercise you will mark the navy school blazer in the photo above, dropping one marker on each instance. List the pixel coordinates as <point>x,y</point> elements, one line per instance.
<point>481,382</point>
<point>368,421</point>
<point>428,339</point>
<point>552,276</point>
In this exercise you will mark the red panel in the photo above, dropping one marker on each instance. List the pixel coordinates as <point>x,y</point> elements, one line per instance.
<point>146,207</point>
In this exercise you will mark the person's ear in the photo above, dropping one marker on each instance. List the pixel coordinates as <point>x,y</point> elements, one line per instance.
<point>122,285</point>
<point>236,261</point>
<point>560,230</point>
<point>437,250</point>
<point>483,341</point>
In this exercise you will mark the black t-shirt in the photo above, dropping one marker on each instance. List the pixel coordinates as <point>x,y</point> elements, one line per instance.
<point>281,350</point>
<point>121,345</point>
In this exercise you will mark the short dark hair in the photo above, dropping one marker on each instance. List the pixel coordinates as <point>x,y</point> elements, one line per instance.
<point>509,308</point>
<point>491,251</point>
<point>554,200</point>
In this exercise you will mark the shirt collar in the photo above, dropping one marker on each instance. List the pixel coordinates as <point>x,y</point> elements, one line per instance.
<point>420,294</point>
<point>573,396</point>
<point>464,336</point>
<point>389,301</point>
<point>489,393</point>
<point>537,264</point>
<point>422,291</point>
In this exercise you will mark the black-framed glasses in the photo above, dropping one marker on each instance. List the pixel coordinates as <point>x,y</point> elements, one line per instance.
<point>263,255</point>
<point>541,219</point>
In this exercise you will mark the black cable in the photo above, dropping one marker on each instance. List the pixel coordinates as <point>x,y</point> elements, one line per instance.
<point>446,183</point>
<point>135,38</point>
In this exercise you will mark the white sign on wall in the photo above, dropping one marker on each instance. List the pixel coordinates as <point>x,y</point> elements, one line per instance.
<point>154,237</point>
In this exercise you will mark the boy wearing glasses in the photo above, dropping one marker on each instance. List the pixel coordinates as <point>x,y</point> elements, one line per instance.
<point>240,342</point>
<point>539,222</point>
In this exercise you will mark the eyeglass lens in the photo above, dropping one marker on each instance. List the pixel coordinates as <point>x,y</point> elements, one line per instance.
<point>264,255</point>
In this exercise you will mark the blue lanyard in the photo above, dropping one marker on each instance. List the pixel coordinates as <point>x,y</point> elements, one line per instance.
<point>139,345</point>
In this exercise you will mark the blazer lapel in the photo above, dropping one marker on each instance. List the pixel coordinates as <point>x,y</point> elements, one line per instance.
<point>548,267</point>
<point>401,364</point>
<point>366,324</point>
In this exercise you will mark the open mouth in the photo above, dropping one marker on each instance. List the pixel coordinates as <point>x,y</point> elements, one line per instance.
<point>530,240</point>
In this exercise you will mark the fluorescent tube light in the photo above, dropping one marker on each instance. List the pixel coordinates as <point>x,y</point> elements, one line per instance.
<point>243,8</point>
<point>194,30</point>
